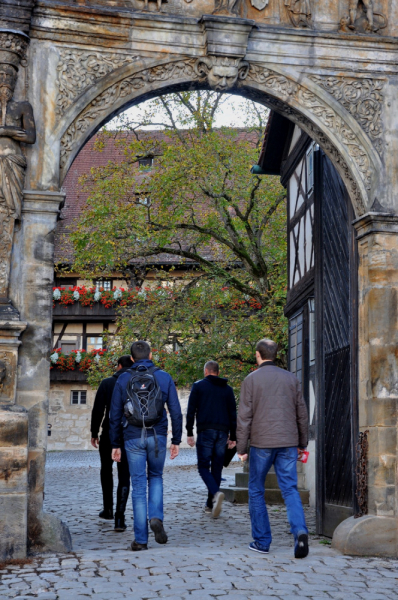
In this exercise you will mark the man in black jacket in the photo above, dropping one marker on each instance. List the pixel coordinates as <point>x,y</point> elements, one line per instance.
<point>213,404</point>
<point>100,414</point>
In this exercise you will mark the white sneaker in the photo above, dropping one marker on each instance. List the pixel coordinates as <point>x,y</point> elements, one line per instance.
<point>217,505</point>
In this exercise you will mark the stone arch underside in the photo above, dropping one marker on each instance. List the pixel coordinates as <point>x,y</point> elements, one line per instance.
<point>352,142</point>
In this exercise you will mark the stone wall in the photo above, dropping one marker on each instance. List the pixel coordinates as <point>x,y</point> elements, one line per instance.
<point>70,423</point>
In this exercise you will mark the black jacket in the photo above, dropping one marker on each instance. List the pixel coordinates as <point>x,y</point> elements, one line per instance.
<point>213,404</point>
<point>102,404</point>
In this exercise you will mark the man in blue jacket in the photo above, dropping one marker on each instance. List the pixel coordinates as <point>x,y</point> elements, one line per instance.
<point>145,450</point>
<point>213,404</point>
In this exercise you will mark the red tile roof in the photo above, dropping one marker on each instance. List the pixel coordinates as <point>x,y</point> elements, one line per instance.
<point>75,200</point>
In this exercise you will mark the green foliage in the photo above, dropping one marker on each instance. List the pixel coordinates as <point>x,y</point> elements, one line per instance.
<point>201,204</point>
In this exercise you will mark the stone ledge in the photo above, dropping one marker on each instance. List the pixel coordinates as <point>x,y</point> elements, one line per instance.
<point>238,495</point>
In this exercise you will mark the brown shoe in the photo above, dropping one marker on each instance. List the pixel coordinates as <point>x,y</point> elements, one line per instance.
<point>136,547</point>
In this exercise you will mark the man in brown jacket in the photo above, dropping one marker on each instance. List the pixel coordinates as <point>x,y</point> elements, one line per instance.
<point>273,416</point>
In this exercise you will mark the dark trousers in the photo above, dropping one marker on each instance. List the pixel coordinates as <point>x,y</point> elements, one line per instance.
<point>123,488</point>
<point>210,448</point>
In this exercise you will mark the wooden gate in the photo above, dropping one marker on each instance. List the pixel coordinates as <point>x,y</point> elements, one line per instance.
<point>335,311</point>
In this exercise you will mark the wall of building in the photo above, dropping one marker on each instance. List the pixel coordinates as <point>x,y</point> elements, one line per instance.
<point>69,424</point>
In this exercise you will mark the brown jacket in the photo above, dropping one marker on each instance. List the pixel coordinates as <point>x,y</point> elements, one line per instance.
<point>272,412</point>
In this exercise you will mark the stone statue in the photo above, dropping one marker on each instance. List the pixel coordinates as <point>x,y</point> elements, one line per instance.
<point>16,125</point>
<point>362,18</point>
<point>227,7</point>
<point>222,72</point>
<point>368,4</point>
<point>299,12</point>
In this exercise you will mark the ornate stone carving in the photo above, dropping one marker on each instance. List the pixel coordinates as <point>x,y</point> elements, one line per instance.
<point>222,73</point>
<point>16,43</point>
<point>362,18</point>
<point>299,12</point>
<point>227,7</point>
<point>16,126</point>
<point>363,98</point>
<point>121,89</point>
<point>285,89</point>
<point>77,70</point>
<point>283,92</point>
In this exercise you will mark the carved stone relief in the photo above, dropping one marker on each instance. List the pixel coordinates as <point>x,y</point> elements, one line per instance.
<point>299,12</point>
<point>121,89</point>
<point>319,136</point>
<point>16,126</point>
<point>227,7</point>
<point>287,89</point>
<point>363,98</point>
<point>77,70</point>
<point>362,18</point>
<point>222,73</point>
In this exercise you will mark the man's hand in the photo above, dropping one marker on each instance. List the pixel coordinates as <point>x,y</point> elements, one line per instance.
<point>231,445</point>
<point>95,442</point>
<point>174,450</point>
<point>243,457</point>
<point>191,441</point>
<point>116,454</point>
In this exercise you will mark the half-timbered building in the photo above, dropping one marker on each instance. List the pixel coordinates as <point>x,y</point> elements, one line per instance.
<point>322,311</point>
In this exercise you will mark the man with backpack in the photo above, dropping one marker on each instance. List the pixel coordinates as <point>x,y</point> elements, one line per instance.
<point>139,416</point>
<point>212,403</point>
<point>100,418</point>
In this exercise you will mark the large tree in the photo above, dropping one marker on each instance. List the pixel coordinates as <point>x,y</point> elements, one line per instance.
<point>199,203</point>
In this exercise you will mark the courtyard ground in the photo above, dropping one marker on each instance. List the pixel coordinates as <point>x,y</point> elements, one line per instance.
<point>204,558</point>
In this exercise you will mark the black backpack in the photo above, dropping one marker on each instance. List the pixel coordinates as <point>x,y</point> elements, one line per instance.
<point>144,404</point>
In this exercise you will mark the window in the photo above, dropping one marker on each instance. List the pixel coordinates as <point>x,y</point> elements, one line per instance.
<point>146,162</point>
<point>106,285</point>
<point>311,313</point>
<point>78,397</point>
<point>94,343</point>
<point>296,345</point>
<point>68,345</point>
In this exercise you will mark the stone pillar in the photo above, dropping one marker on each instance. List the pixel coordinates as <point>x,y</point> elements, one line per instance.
<point>31,290</point>
<point>377,532</point>
<point>13,448</point>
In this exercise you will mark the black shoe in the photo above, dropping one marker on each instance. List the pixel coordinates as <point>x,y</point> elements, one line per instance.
<point>301,546</point>
<point>120,525</point>
<point>107,514</point>
<point>157,527</point>
<point>136,547</point>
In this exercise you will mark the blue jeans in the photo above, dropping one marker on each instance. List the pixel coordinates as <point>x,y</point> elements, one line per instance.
<point>140,455</point>
<point>210,448</point>
<point>285,462</point>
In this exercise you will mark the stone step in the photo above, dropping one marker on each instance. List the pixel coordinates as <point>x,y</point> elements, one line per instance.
<point>242,480</point>
<point>240,495</point>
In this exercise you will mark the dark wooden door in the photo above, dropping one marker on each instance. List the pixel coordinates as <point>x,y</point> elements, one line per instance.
<point>335,308</point>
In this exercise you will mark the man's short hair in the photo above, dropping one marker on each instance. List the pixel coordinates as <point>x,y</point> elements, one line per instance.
<point>267,349</point>
<point>125,361</point>
<point>140,350</point>
<point>212,367</point>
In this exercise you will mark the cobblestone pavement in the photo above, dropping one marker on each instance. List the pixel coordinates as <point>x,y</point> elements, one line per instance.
<point>204,558</point>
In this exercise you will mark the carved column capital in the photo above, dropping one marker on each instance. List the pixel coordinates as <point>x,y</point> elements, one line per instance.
<point>375,222</point>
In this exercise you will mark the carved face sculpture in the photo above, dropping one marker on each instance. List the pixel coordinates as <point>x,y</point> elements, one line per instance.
<point>222,78</point>
<point>8,78</point>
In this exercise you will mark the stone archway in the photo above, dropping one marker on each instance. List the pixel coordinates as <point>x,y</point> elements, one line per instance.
<point>317,104</point>
<point>87,63</point>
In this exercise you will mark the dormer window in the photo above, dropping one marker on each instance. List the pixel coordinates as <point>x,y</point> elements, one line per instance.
<point>146,163</point>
